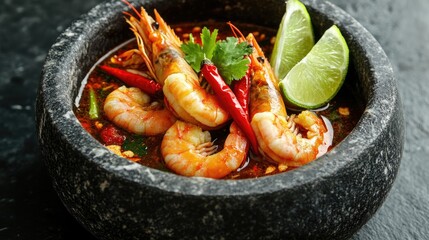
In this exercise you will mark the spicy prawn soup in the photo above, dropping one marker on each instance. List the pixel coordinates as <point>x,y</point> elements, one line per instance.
<point>340,115</point>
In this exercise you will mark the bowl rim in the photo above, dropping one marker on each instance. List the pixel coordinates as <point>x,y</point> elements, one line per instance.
<point>376,115</point>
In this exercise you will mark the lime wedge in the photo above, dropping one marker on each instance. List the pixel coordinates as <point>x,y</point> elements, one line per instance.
<point>294,38</point>
<point>316,79</point>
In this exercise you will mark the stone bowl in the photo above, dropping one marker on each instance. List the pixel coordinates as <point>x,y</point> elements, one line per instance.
<point>113,198</point>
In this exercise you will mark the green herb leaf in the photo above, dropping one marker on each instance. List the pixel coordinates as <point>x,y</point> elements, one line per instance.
<point>136,145</point>
<point>233,70</point>
<point>228,55</point>
<point>229,59</point>
<point>208,41</point>
<point>193,53</point>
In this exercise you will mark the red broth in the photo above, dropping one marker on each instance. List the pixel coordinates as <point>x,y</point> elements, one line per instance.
<point>343,112</point>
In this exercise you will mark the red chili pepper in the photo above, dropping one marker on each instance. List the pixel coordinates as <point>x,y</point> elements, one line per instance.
<point>241,89</point>
<point>229,100</point>
<point>133,80</point>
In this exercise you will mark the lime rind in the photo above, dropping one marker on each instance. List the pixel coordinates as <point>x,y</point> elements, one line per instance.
<point>317,78</point>
<point>294,39</point>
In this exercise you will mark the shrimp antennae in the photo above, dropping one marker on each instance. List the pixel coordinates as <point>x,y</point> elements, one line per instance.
<point>141,34</point>
<point>235,30</point>
<point>132,7</point>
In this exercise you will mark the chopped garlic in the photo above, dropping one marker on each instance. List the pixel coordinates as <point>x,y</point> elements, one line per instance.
<point>128,154</point>
<point>270,169</point>
<point>98,125</point>
<point>344,111</point>
<point>116,149</point>
<point>282,167</point>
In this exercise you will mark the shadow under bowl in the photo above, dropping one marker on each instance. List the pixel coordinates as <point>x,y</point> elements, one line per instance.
<point>114,198</point>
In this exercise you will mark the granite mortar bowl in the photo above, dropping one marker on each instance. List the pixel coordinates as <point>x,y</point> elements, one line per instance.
<point>113,198</point>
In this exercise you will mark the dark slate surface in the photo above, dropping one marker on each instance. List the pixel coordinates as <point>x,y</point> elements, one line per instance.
<point>30,209</point>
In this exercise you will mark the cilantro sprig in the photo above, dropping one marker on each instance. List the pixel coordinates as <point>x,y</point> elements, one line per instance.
<point>228,55</point>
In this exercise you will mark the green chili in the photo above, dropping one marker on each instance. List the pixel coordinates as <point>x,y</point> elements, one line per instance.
<point>93,106</point>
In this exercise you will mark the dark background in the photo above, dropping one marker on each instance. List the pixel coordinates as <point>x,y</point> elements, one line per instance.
<point>30,209</point>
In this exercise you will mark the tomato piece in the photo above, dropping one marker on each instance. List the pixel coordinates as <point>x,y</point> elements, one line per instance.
<point>112,135</point>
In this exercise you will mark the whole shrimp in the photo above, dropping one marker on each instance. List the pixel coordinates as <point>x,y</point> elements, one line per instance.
<point>189,151</point>
<point>133,110</point>
<point>160,49</point>
<point>292,140</point>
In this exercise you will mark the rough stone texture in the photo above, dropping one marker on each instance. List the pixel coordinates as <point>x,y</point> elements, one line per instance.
<point>329,198</point>
<point>401,28</point>
<point>31,210</point>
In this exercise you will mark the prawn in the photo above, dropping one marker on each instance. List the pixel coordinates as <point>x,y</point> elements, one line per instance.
<point>132,110</point>
<point>292,140</point>
<point>160,49</point>
<point>189,151</point>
